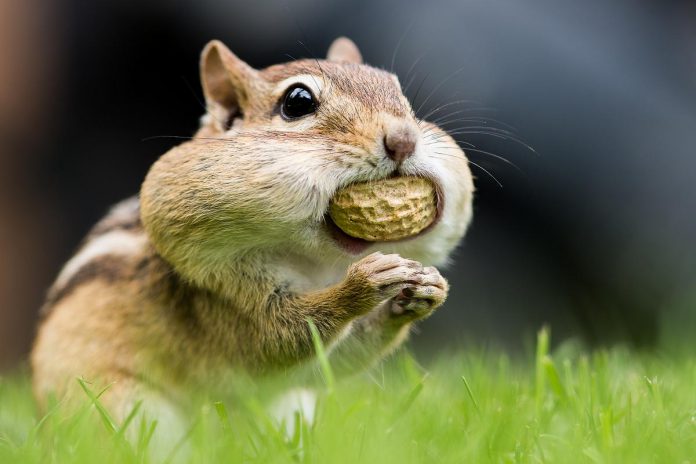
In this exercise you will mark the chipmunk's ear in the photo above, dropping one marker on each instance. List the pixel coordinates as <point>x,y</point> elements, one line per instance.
<point>227,81</point>
<point>344,50</point>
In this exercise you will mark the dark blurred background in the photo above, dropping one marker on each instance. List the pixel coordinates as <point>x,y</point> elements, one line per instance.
<point>594,234</point>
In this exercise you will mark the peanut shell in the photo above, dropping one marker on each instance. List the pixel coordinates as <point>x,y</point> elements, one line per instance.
<point>385,210</point>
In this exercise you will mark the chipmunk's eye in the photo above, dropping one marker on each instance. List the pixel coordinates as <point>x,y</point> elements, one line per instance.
<point>297,102</point>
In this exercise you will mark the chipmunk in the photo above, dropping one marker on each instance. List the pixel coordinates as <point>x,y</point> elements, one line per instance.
<point>227,252</point>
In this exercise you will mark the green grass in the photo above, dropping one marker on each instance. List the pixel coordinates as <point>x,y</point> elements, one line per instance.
<point>471,406</point>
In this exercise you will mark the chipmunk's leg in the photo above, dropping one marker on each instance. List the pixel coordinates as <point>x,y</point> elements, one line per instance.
<point>286,338</point>
<point>379,332</point>
<point>128,396</point>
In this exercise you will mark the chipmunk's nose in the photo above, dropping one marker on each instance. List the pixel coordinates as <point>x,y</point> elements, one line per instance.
<point>400,142</point>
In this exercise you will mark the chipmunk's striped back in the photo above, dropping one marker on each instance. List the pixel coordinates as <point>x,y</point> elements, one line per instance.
<point>111,303</point>
<point>104,253</point>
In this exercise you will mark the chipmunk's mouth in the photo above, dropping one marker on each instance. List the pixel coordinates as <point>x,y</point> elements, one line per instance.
<point>352,245</point>
<point>357,245</point>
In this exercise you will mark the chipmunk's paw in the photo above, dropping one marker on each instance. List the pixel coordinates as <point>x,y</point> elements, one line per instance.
<point>384,276</point>
<point>418,301</point>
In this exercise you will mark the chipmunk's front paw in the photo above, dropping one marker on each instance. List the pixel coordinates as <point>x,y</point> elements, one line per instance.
<point>419,301</point>
<point>379,277</point>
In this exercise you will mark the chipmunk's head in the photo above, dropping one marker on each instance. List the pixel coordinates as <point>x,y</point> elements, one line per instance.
<point>276,145</point>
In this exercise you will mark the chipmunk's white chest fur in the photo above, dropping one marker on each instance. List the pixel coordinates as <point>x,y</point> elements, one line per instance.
<point>302,274</point>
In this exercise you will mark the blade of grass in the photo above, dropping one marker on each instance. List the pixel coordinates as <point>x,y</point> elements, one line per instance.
<point>103,413</point>
<point>553,378</point>
<point>606,421</point>
<point>471,396</point>
<point>129,418</point>
<point>221,411</point>
<point>406,404</point>
<point>542,350</point>
<point>413,371</point>
<point>321,355</point>
<point>145,435</point>
<point>180,443</point>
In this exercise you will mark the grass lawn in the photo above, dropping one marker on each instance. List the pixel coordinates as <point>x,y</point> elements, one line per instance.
<point>473,406</point>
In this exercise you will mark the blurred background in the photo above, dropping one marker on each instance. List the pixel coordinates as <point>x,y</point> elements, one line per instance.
<point>593,231</point>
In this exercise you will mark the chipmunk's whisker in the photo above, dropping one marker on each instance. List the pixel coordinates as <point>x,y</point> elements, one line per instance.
<point>398,44</point>
<point>437,154</point>
<point>409,80</point>
<point>437,87</point>
<point>488,131</point>
<point>448,119</point>
<point>415,97</point>
<point>176,137</point>
<point>202,103</point>
<point>439,108</point>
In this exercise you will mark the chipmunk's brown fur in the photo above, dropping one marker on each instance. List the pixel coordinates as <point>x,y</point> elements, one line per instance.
<point>226,254</point>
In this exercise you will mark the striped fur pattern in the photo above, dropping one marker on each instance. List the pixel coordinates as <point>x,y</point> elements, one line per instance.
<point>214,269</point>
